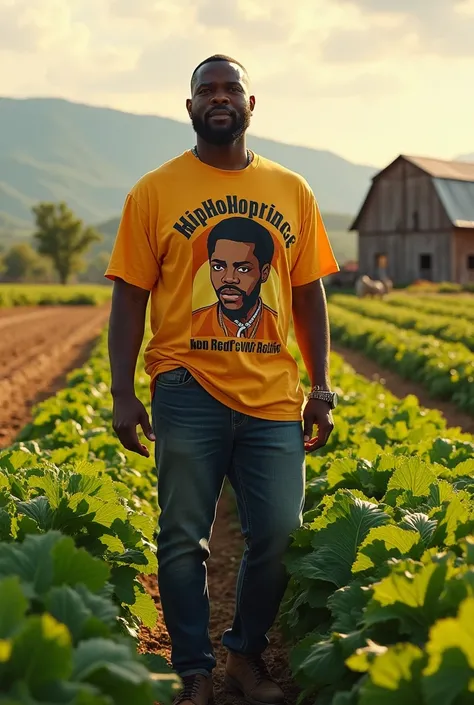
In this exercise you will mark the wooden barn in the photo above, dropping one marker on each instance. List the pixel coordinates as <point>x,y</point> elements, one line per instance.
<point>417,222</point>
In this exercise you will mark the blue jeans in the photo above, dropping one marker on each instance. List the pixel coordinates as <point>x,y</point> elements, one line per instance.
<point>199,442</point>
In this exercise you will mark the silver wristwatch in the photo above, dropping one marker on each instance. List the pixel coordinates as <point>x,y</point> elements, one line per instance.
<point>326,395</point>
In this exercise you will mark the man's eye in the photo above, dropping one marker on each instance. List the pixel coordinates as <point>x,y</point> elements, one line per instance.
<point>217,267</point>
<point>243,270</point>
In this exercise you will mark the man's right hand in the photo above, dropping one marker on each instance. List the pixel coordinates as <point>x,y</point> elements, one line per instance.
<point>129,413</point>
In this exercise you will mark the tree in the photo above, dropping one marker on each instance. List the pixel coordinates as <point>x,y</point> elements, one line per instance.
<point>62,237</point>
<point>21,263</point>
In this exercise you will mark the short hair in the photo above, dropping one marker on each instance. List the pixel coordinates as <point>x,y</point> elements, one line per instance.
<point>217,57</point>
<point>245,230</point>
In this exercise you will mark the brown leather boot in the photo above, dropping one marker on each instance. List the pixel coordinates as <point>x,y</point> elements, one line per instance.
<point>197,690</point>
<point>249,676</point>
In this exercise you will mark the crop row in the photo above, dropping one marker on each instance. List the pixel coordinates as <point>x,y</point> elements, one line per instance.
<point>77,530</point>
<point>52,295</point>
<point>454,307</point>
<point>380,604</point>
<point>453,329</point>
<point>381,573</point>
<point>445,369</point>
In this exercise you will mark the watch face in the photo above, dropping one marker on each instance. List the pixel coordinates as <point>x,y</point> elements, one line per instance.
<point>335,400</point>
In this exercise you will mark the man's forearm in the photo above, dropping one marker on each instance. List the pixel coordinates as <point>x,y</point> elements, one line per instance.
<point>126,330</point>
<point>311,323</point>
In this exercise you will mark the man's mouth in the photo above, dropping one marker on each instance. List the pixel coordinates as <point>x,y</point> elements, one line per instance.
<point>219,115</point>
<point>230,296</point>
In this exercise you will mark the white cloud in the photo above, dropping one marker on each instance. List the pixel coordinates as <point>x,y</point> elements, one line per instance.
<point>40,25</point>
<point>391,27</point>
<point>360,77</point>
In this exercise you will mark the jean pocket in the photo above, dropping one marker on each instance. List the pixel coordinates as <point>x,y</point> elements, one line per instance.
<point>174,378</point>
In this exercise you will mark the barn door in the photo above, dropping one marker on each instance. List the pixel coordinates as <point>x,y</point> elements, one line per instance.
<point>381,266</point>
<point>426,267</point>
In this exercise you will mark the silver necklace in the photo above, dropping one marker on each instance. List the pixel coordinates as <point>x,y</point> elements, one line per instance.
<point>249,155</point>
<point>241,327</point>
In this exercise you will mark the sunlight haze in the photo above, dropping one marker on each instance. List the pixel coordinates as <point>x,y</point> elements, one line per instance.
<point>366,79</point>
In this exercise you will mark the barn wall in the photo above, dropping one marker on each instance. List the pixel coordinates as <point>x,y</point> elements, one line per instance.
<point>438,245</point>
<point>403,252</point>
<point>463,246</point>
<point>374,244</point>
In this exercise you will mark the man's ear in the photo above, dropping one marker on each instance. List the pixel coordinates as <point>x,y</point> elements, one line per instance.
<point>252,103</point>
<point>189,107</point>
<point>265,272</point>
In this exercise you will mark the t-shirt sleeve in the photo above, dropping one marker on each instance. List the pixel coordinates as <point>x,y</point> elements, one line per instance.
<point>134,256</point>
<point>315,258</point>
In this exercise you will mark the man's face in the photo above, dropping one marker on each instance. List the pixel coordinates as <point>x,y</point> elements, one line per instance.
<point>221,107</point>
<point>236,276</point>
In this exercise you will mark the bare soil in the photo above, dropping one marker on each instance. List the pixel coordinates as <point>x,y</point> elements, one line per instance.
<point>38,348</point>
<point>402,387</point>
<point>226,550</point>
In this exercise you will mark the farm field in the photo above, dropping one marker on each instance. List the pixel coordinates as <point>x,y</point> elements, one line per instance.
<point>37,344</point>
<point>381,595</point>
<point>453,328</point>
<point>437,304</point>
<point>382,570</point>
<point>53,295</point>
<point>392,336</point>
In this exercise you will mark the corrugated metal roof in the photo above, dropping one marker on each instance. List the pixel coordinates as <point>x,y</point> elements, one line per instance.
<point>460,171</point>
<point>457,198</point>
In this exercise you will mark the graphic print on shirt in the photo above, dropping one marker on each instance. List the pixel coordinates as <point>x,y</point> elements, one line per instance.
<point>236,287</point>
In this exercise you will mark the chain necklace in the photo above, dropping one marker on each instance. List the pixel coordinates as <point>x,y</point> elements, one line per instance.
<point>249,155</point>
<point>242,327</point>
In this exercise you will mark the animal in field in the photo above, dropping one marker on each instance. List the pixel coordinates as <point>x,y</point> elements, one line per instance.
<point>374,288</point>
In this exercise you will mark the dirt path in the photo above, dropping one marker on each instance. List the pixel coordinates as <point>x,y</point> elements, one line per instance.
<point>38,347</point>
<point>226,549</point>
<point>402,387</point>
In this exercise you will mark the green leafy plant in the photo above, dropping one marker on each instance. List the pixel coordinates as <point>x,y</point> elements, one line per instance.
<point>77,533</point>
<point>383,566</point>
<point>445,369</point>
<point>53,295</point>
<point>59,636</point>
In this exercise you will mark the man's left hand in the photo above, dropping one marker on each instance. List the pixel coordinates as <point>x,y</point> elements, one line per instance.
<point>317,413</point>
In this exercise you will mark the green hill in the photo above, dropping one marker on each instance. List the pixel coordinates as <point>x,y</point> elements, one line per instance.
<point>12,230</point>
<point>52,149</point>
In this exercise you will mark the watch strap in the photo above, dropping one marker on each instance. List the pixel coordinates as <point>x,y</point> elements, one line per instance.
<point>323,395</point>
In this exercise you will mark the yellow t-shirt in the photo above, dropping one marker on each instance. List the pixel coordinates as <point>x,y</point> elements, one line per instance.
<point>220,252</point>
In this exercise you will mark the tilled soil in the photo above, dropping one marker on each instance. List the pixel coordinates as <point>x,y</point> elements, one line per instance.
<point>38,347</point>
<point>226,550</point>
<point>401,388</point>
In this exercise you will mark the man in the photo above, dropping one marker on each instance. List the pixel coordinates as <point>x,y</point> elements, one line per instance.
<point>240,254</point>
<point>222,406</point>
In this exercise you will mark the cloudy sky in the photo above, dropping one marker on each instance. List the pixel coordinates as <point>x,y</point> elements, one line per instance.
<point>367,79</point>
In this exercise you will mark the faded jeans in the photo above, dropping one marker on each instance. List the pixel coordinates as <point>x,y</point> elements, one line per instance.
<point>199,442</point>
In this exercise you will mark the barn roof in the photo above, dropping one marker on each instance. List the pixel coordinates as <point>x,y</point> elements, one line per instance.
<point>454,184</point>
<point>457,198</point>
<point>458,171</point>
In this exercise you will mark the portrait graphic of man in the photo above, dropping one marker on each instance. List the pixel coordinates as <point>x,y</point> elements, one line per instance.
<point>240,252</point>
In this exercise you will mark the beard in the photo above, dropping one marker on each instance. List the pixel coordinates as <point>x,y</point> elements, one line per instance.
<point>225,135</point>
<point>248,302</point>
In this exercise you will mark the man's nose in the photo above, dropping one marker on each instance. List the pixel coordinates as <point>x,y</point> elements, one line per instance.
<point>230,277</point>
<point>220,98</point>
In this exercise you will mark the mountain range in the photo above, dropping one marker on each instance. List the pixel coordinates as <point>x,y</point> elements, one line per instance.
<point>56,150</point>
<point>53,149</point>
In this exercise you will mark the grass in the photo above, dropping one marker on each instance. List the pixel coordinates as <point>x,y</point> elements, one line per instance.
<point>53,295</point>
